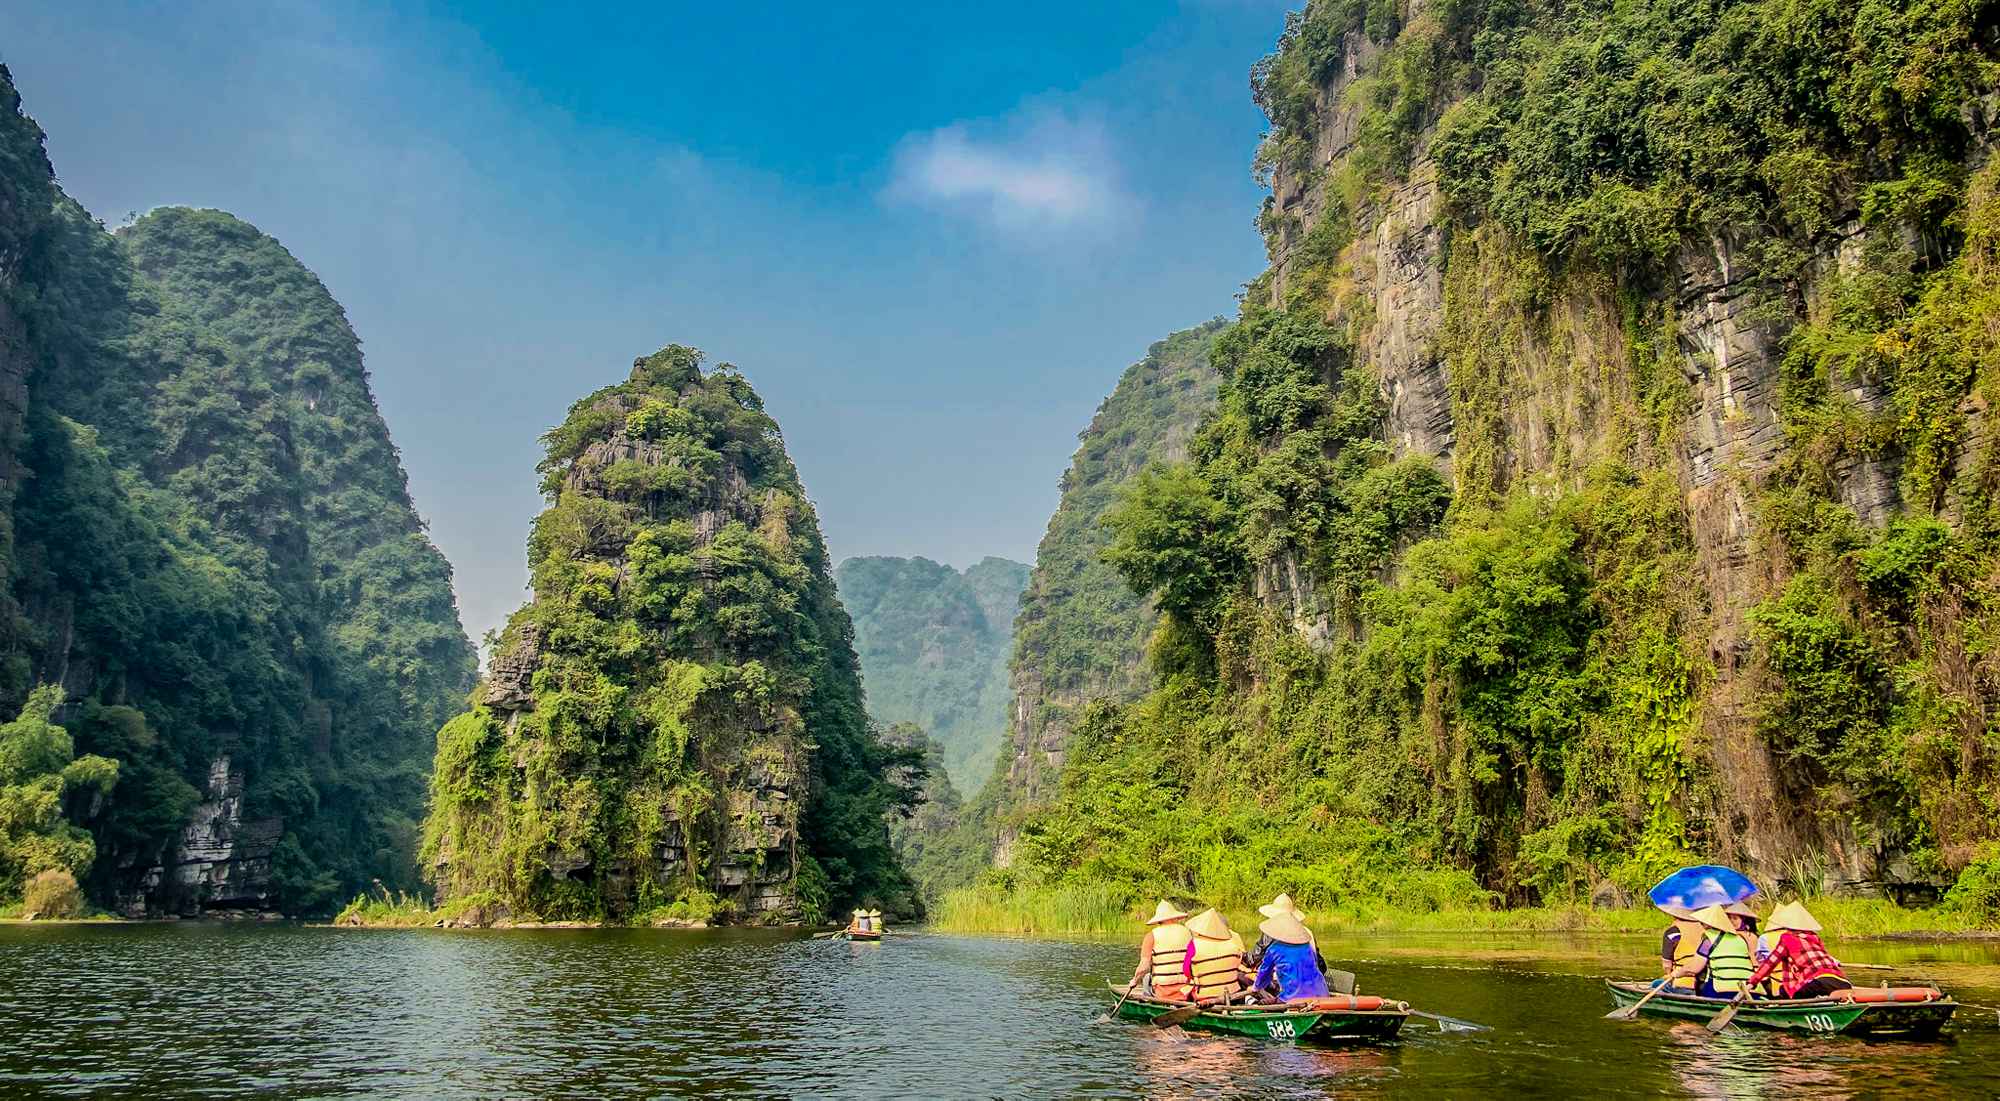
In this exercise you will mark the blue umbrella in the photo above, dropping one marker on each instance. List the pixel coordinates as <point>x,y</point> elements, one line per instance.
<point>1702,885</point>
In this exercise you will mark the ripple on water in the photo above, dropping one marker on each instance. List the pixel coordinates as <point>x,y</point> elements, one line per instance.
<point>226,1011</point>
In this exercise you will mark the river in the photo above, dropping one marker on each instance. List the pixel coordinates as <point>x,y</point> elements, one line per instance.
<point>230,1010</point>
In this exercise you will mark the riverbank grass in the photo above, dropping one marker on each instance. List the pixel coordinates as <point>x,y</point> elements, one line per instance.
<point>1096,910</point>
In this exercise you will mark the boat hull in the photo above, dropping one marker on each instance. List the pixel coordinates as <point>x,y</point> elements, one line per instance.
<point>1279,1022</point>
<point>1825,1016</point>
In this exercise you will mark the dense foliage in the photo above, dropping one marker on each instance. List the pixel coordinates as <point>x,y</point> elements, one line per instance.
<point>39,774</point>
<point>933,644</point>
<point>1431,685</point>
<point>213,549</point>
<point>674,725</point>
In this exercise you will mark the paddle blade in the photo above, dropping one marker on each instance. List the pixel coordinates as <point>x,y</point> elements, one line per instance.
<point>1623,1013</point>
<point>1176,1016</point>
<point>1721,1020</point>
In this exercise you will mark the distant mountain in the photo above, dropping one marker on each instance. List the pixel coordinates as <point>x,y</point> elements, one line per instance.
<point>933,644</point>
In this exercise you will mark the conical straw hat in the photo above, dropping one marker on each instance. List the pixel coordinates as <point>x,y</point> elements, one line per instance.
<point>1715,917</point>
<point>1286,929</point>
<point>874,913</point>
<point>1165,912</point>
<point>1743,909</point>
<point>1792,916</point>
<point>1210,924</point>
<point>1283,904</point>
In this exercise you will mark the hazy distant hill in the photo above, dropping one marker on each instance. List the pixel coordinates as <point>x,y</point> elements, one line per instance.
<point>933,644</point>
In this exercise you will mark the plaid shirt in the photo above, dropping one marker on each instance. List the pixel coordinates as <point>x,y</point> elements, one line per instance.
<point>1805,958</point>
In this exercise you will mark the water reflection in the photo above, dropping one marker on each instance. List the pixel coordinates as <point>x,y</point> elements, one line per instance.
<point>193,1011</point>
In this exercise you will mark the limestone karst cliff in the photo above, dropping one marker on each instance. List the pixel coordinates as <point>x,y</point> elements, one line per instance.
<point>1600,474</point>
<point>1081,634</point>
<point>672,728</point>
<point>211,549</point>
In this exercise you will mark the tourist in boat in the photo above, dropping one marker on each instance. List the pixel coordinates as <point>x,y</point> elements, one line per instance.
<point>1798,958</point>
<point>859,922</point>
<point>1678,944</point>
<point>875,922</point>
<point>1162,952</point>
<point>1283,904</point>
<point>1726,956</point>
<point>1289,968</point>
<point>1214,961</point>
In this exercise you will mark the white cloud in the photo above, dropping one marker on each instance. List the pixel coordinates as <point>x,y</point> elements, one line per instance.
<point>1044,171</point>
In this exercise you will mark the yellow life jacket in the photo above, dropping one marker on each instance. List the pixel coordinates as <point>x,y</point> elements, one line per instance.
<point>1687,948</point>
<point>1774,983</point>
<point>1216,965</point>
<point>1730,962</point>
<point>1170,943</point>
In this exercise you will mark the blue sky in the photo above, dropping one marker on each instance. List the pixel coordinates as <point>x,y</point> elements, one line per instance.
<point>932,235</point>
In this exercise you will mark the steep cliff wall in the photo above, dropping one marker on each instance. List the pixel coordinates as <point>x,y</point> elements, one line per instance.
<point>673,726</point>
<point>1081,633</point>
<point>230,586</point>
<point>1599,476</point>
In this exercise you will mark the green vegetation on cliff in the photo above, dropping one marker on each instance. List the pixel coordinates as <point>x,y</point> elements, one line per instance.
<point>211,548</point>
<point>674,724</point>
<point>933,644</point>
<point>1081,632</point>
<point>1432,686</point>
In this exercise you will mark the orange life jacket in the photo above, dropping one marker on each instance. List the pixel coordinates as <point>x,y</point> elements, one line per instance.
<point>1170,943</point>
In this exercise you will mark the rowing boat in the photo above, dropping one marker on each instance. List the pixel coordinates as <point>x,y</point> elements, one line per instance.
<point>861,934</point>
<point>1907,1012</point>
<point>1341,1018</point>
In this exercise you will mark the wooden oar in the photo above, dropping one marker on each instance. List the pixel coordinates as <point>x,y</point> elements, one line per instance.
<point>1721,1020</point>
<point>1182,1015</point>
<point>1121,999</point>
<point>1447,1023</point>
<point>1626,1013</point>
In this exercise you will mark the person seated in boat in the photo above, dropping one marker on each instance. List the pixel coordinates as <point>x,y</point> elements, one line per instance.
<point>859,922</point>
<point>1289,968</point>
<point>1726,956</point>
<point>1283,904</point>
<point>1214,960</point>
<point>1799,959</point>
<point>1679,944</point>
<point>1161,953</point>
<point>875,922</point>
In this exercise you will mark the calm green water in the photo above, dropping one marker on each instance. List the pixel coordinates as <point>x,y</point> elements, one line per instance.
<point>225,1011</point>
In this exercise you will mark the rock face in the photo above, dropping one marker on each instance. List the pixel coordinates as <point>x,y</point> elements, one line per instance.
<point>664,720</point>
<point>1564,380</point>
<point>1081,634</point>
<point>222,865</point>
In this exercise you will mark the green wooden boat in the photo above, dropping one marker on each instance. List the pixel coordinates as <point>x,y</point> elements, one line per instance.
<point>1912,1020</point>
<point>1277,1022</point>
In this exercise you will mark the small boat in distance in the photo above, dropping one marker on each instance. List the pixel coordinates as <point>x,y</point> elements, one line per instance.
<point>1905,1012</point>
<point>1340,1018</point>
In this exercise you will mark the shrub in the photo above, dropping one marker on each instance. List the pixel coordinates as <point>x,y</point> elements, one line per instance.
<point>52,894</point>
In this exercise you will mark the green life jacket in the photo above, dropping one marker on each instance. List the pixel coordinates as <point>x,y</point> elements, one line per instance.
<point>1730,962</point>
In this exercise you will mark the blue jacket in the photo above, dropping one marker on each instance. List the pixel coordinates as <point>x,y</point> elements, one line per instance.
<point>1291,970</point>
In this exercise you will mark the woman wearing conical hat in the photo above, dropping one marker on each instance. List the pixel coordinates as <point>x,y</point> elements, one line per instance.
<point>1214,961</point>
<point>1161,952</point>
<point>1282,905</point>
<point>1290,966</point>
<point>1726,956</point>
<point>1800,959</point>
